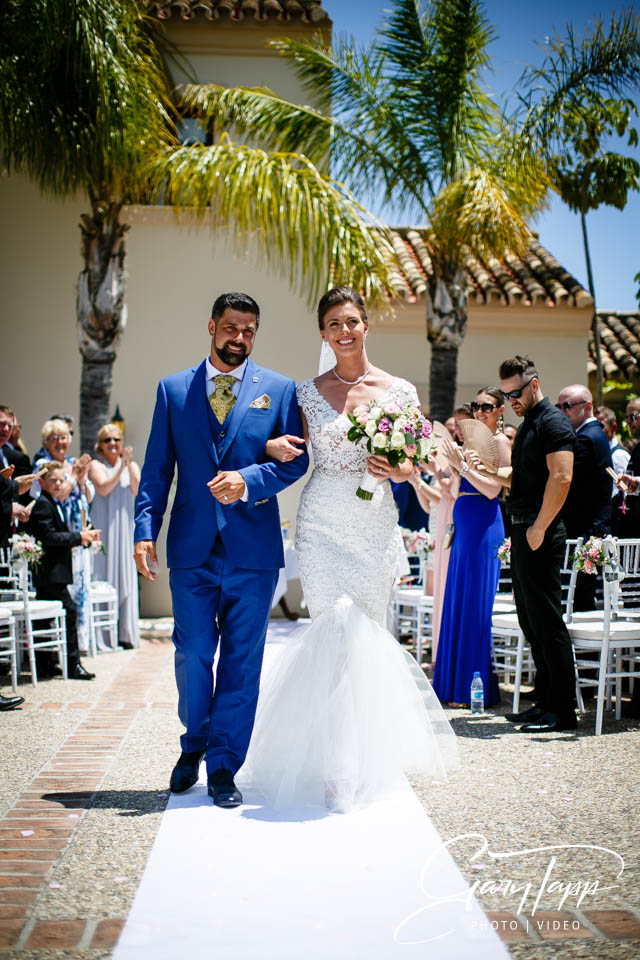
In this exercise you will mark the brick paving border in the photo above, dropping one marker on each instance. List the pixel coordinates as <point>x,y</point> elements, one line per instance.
<point>37,831</point>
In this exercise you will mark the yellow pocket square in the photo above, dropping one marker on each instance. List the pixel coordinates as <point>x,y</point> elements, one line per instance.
<point>261,403</point>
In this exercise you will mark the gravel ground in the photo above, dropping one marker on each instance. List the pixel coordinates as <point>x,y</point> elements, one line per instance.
<point>519,792</point>
<point>523,792</point>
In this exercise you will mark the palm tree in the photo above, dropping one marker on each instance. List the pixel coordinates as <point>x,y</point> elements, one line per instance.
<point>576,101</point>
<point>408,122</point>
<point>87,105</point>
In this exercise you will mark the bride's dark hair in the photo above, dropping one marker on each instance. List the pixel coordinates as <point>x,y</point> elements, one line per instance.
<point>336,296</point>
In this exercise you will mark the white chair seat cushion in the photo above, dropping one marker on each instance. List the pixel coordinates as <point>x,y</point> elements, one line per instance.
<point>37,608</point>
<point>505,621</point>
<point>619,631</point>
<point>408,594</point>
<point>102,590</point>
<point>501,606</point>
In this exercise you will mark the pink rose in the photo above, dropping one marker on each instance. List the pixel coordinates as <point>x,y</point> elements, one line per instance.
<point>393,409</point>
<point>411,450</point>
<point>427,428</point>
<point>589,567</point>
<point>385,425</point>
<point>594,552</point>
<point>362,418</point>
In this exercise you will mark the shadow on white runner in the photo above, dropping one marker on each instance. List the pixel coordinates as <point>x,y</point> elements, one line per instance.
<point>250,883</point>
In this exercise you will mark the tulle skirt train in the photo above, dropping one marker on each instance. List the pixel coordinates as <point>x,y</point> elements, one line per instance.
<point>343,715</point>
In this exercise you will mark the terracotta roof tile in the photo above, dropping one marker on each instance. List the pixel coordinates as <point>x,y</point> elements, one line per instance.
<point>535,277</point>
<point>307,11</point>
<point>620,346</point>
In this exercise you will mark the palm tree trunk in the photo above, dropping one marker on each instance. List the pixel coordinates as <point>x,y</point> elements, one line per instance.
<point>446,328</point>
<point>101,312</point>
<point>595,329</point>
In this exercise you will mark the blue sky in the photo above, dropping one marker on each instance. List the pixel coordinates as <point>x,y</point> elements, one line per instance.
<point>614,235</point>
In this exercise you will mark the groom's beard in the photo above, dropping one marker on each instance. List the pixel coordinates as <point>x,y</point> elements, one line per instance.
<point>229,357</point>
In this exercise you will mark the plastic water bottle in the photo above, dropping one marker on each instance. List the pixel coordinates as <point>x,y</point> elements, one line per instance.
<point>477,694</point>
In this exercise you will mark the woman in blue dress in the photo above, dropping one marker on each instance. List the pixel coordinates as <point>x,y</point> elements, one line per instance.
<point>472,579</point>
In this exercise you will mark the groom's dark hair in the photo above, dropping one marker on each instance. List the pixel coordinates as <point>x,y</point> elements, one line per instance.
<point>235,301</point>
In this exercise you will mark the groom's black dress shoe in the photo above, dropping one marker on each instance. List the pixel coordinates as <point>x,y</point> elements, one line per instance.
<point>9,703</point>
<point>525,716</point>
<point>550,723</point>
<point>185,773</point>
<point>223,790</point>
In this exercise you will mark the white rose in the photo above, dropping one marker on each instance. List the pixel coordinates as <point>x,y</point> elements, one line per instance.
<point>396,440</point>
<point>400,423</point>
<point>370,428</point>
<point>424,445</point>
<point>375,413</point>
<point>380,441</point>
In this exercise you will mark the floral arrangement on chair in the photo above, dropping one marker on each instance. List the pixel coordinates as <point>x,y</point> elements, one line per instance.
<point>418,543</point>
<point>590,555</point>
<point>504,552</point>
<point>26,548</point>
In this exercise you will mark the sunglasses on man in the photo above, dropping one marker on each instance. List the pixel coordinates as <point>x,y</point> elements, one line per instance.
<point>516,394</point>
<point>567,406</point>
<point>485,407</point>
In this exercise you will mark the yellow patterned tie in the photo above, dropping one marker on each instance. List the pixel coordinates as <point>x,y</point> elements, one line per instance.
<point>222,401</point>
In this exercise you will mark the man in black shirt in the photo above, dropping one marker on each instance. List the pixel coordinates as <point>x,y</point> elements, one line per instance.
<point>542,462</point>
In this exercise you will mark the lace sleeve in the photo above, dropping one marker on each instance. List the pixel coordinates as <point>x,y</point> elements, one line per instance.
<point>303,393</point>
<point>406,392</point>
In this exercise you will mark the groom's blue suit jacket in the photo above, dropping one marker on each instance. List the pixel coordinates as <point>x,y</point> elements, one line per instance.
<point>181,433</point>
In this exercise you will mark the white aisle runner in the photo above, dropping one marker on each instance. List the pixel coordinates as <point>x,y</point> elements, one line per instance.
<point>248,883</point>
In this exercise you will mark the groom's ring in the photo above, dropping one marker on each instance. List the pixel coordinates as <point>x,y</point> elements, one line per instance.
<point>226,498</point>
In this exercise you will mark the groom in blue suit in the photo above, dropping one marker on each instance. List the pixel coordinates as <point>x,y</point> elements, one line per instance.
<point>224,544</point>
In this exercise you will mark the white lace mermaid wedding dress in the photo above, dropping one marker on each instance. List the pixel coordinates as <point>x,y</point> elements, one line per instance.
<point>345,712</point>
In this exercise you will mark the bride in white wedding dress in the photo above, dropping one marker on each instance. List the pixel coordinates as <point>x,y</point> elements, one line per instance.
<point>346,712</point>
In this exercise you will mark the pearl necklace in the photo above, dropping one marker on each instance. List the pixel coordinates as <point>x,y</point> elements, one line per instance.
<point>352,383</point>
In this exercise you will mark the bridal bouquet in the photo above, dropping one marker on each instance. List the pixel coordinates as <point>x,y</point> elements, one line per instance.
<point>590,556</point>
<point>418,543</point>
<point>393,431</point>
<point>26,547</point>
<point>504,552</point>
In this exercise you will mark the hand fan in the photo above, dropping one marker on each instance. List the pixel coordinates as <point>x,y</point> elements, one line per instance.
<point>478,437</point>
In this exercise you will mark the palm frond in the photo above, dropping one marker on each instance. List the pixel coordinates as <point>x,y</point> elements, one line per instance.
<point>308,226</point>
<point>478,213</point>
<point>277,124</point>
<point>352,84</point>
<point>436,54</point>
<point>520,171</point>
<point>606,63</point>
<point>96,101</point>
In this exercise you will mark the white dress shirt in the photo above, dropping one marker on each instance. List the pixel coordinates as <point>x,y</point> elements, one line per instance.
<point>619,455</point>
<point>237,372</point>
